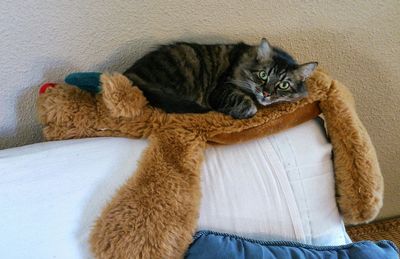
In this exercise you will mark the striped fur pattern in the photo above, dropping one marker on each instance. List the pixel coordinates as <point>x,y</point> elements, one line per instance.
<point>232,79</point>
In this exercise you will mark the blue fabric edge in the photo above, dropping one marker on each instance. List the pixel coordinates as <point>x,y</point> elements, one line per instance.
<point>290,243</point>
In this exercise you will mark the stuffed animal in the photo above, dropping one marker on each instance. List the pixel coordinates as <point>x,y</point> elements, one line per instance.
<point>154,214</point>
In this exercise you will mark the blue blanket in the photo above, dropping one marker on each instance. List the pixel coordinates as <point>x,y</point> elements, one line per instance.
<point>209,244</point>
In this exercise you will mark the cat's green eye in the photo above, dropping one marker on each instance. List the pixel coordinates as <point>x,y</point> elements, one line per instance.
<point>263,75</point>
<point>284,85</point>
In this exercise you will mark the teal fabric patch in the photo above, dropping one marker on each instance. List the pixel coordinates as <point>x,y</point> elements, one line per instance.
<point>88,81</point>
<point>209,244</point>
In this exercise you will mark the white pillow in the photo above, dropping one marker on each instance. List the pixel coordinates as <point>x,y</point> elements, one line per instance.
<point>273,188</point>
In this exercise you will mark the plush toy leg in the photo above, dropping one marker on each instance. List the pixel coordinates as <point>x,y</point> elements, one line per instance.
<point>120,97</point>
<point>154,214</point>
<point>116,92</point>
<point>69,112</point>
<point>358,178</point>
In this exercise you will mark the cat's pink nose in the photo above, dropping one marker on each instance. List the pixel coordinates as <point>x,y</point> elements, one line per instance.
<point>266,94</point>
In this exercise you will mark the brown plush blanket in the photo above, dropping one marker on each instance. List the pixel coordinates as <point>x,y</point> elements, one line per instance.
<point>154,214</point>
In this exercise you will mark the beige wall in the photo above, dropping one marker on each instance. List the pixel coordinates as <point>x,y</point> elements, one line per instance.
<point>356,41</point>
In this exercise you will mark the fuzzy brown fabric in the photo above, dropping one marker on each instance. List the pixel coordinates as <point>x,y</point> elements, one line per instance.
<point>154,214</point>
<point>388,229</point>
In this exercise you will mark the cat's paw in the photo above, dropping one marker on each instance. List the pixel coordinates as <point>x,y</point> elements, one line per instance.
<point>244,110</point>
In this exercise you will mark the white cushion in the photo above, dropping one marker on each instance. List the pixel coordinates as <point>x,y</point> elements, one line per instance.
<point>274,188</point>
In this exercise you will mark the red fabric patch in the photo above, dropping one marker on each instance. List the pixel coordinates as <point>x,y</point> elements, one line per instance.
<point>44,87</point>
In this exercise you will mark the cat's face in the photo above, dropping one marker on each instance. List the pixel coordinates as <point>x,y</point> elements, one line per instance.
<point>273,76</point>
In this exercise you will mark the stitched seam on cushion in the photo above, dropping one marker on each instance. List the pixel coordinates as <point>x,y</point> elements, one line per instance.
<point>302,186</point>
<point>270,167</point>
<point>298,228</point>
<point>278,150</point>
<point>261,177</point>
<point>323,162</point>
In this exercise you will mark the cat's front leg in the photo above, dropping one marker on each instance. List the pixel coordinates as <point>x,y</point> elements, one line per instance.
<point>233,102</point>
<point>244,109</point>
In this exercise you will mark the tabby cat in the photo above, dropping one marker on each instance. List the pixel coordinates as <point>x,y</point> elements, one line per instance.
<point>194,78</point>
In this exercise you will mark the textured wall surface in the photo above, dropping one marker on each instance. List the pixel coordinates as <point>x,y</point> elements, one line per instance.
<point>358,42</point>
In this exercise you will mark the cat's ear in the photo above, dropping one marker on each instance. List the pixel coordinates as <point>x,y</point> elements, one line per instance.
<point>264,50</point>
<point>304,71</point>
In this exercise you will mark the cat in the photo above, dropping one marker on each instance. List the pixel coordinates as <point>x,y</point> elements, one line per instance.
<point>228,78</point>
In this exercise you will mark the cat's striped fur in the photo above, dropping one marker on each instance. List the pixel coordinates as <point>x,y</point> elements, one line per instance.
<point>194,78</point>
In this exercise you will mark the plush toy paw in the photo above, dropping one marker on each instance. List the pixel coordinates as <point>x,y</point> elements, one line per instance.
<point>121,98</point>
<point>115,92</point>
